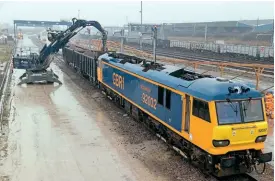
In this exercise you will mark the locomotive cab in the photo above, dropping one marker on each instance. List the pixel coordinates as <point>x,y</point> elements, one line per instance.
<point>239,132</point>
<point>243,122</point>
<point>229,124</point>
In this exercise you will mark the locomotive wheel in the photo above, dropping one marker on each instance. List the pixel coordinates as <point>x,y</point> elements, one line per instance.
<point>259,168</point>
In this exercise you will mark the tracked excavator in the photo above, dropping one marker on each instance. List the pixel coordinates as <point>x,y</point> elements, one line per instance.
<point>37,65</point>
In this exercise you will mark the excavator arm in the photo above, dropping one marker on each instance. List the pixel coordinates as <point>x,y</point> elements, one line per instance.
<point>37,65</point>
<point>60,39</point>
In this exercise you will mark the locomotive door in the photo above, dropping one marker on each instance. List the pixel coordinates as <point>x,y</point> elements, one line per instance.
<point>187,114</point>
<point>168,116</point>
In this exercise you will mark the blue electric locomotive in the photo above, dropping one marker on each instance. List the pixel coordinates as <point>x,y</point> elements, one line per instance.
<point>217,124</point>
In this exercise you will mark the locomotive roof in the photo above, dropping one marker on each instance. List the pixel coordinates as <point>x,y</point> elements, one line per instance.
<point>206,88</point>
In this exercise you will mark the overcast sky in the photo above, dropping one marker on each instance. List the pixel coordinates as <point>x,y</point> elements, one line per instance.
<point>117,13</point>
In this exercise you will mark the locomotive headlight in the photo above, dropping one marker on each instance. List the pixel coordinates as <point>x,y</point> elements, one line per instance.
<point>260,139</point>
<point>220,143</point>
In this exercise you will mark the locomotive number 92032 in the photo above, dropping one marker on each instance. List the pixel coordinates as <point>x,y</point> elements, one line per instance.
<point>146,99</point>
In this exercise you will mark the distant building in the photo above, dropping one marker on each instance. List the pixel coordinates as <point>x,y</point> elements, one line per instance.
<point>244,29</point>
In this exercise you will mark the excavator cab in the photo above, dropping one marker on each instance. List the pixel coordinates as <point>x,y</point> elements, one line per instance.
<point>52,35</point>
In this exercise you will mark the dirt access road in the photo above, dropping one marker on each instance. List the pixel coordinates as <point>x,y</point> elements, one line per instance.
<point>53,136</point>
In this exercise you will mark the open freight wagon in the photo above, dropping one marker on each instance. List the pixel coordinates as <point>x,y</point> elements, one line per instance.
<point>87,65</point>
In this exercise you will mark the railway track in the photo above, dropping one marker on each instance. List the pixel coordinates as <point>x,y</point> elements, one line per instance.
<point>242,177</point>
<point>193,57</point>
<point>3,85</point>
<point>206,56</point>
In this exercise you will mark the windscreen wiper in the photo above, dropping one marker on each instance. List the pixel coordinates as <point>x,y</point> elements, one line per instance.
<point>245,106</point>
<point>232,106</point>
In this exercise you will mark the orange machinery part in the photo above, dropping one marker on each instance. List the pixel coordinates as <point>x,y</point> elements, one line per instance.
<point>269,105</point>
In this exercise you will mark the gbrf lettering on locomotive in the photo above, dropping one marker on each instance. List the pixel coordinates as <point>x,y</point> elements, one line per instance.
<point>118,81</point>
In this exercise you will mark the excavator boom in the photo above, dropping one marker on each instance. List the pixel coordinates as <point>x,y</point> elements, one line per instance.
<point>37,70</point>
